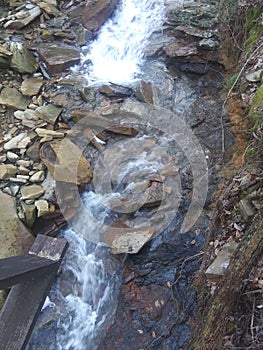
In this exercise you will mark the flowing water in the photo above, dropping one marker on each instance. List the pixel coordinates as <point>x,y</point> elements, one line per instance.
<point>86,304</point>
<point>118,52</point>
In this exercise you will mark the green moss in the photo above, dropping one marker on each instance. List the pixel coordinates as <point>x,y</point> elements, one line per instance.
<point>231,81</point>
<point>243,195</point>
<point>254,26</point>
<point>250,153</point>
<point>256,108</point>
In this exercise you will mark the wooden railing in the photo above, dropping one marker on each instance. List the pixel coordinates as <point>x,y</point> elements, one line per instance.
<point>31,276</point>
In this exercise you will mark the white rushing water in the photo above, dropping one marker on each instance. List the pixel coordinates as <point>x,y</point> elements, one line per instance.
<point>118,52</point>
<point>93,297</point>
<point>91,275</point>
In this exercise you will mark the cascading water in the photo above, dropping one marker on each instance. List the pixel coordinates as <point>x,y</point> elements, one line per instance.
<point>85,304</point>
<point>117,54</point>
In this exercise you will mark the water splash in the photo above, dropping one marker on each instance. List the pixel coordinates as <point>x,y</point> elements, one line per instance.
<point>93,298</point>
<point>117,54</point>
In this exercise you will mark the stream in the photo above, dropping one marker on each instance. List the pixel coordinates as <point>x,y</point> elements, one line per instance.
<point>89,299</point>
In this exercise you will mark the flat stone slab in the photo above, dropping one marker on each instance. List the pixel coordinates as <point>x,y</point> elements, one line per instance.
<point>218,267</point>
<point>31,86</point>
<point>59,58</point>
<point>32,192</point>
<point>48,113</point>
<point>12,98</point>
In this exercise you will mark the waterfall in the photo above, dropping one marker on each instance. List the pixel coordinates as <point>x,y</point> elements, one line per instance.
<point>91,274</point>
<point>118,52</point>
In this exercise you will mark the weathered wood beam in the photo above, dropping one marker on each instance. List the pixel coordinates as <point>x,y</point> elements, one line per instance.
<point>25,300</point>
<point>17,269</point>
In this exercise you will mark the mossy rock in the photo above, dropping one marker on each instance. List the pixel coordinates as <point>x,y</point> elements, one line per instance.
<point>256,107</point>
<point>254,25</point>
<point>196,15</point>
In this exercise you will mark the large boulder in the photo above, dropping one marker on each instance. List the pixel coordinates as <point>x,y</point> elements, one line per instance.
<point>96,12</point>
<point>65,162</point>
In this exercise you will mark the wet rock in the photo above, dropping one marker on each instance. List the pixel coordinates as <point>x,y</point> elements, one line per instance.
<point>97,12</point>
<point>123,130</point>
<point>89,118</point>
<point>65,162</point>
<point>42,207</point>
<point>14,237</point>
<point>12,98</point>
<point>59,58</point>
<point>45,133</point>
<point>157,177</point>
<point>49,224</point>
<point>48,113</point>
<point>67,193</point>
<point>22,18</point>
<point>14,142</point>
<point>91,137</point>
<point>83,36</point>
<point>7,171</point>
<point>154,195</point>
<point>31,86</point>
<point>207,44</point>
<point>217,269</point>
<point>115,90</point>
<point>32,192</point>
<point>127,240</point>
<point>22,59</point>
<point>144,92</point>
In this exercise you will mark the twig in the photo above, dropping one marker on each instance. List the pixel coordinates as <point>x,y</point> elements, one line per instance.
<point>252,320</point>
<point>253,291</point>
<point>183,263</point>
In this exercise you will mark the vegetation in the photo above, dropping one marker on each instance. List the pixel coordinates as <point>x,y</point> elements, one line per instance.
<point>228,317</point>
<point>253,25</point>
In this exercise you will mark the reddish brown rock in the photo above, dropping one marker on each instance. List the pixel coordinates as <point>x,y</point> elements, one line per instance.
<point>123,130</point>
<point>59,58</point>
<point>97,12</point>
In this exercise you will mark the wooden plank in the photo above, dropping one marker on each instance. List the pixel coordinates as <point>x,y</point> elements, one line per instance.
<point>25,300</point>
<point>20,311</point>
<point>17,269</point>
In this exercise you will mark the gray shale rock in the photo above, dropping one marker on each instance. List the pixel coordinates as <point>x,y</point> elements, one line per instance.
<point>12,98</point>
<point>22,59</point>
